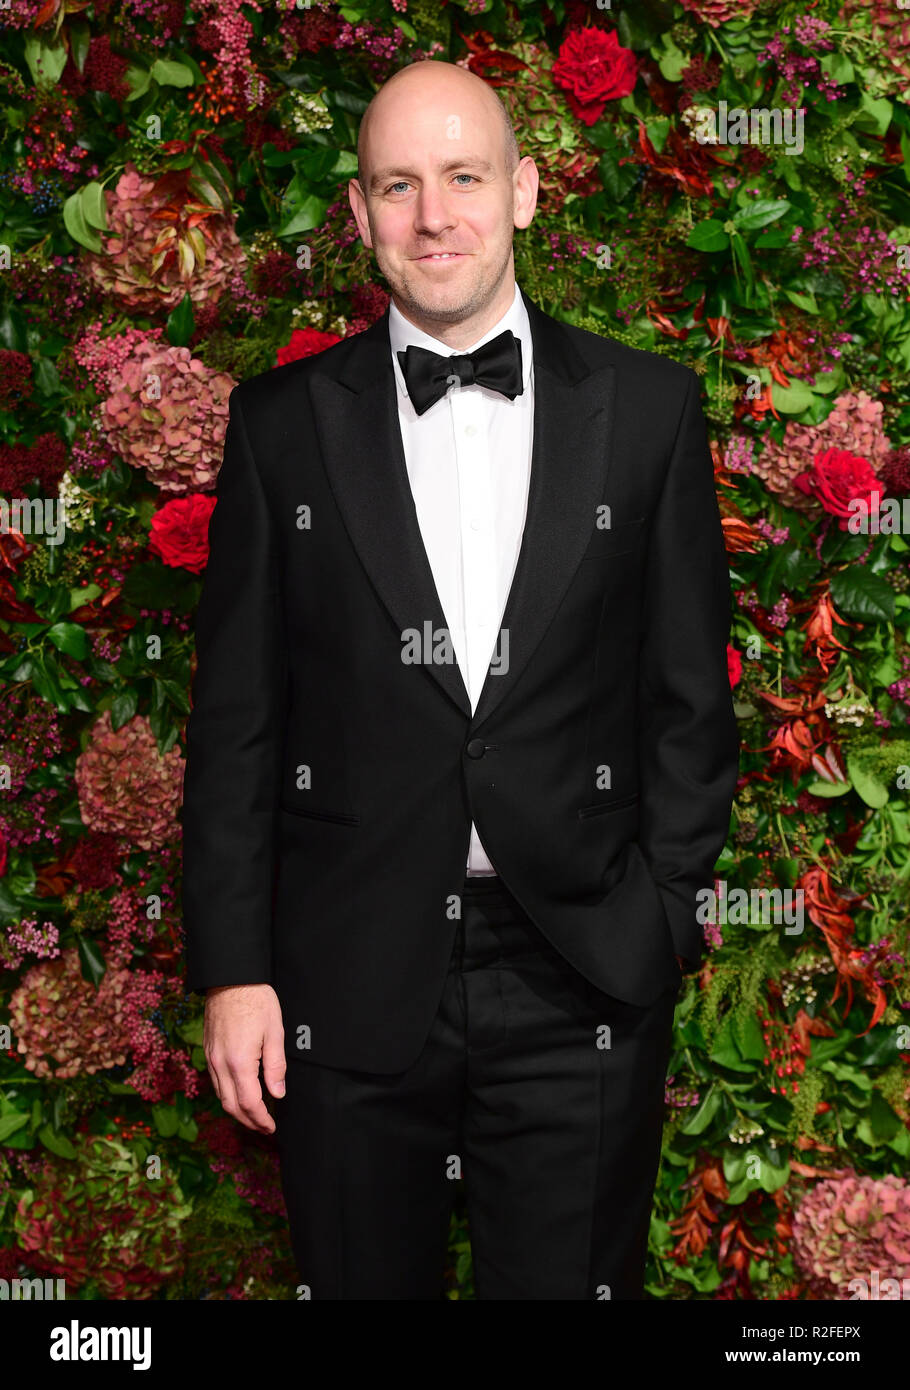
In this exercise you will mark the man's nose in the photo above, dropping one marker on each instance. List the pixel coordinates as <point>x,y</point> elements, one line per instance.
<point>432,212</point>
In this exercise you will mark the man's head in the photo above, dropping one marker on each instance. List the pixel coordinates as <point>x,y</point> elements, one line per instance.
<point>439,171</point>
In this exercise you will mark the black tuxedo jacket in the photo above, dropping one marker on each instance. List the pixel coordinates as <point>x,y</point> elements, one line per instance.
<point>331,779</point>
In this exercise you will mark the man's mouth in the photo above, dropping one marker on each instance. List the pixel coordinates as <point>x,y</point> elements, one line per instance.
<point>442,256</point>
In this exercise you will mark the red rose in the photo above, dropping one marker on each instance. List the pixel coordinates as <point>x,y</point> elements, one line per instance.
<point>594,68</point>
<point>734,665</point>
<point>180,531</point>
<point>305,342</point>
<point>3,851</point>
<point>835,478</point>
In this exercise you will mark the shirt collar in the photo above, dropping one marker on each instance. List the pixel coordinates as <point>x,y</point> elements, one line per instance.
<point>402,333</point>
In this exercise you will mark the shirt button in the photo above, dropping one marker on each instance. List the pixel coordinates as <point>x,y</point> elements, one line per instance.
<point>470,429</point>
<point>476,523</point>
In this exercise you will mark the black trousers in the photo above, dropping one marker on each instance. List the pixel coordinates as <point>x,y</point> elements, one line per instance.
<point>544,1093</point>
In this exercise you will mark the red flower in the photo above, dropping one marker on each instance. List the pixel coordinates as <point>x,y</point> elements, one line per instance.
<point>594,68</point>
<point>734,665</point>
<point>180,531</point>
<point>3,851</point>
<point>305,342</point>
<point>835,478</point>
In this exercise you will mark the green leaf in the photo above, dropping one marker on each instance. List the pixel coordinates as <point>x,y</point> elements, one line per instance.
<point>10,1123</point>
<point>760,214</point>
<point>309,214</point>
<point>875,115</point>
<point>46,61</point>
<point>70,638</point>
<point>170,74</point>
<point>699,1121</point>
<point>885,1123</point>
<point>901,1142</point>
<point>806,302</point>
<point>181,323</point>
<point>138,80</point>
<point>859,593</point>
<point>78,597</point>
<point>46,682</point>
<point>55,1141</point>
<point>192,1031</point>
<point>13,329</point>
<point>792,399</point>
<point>672,61</point>
<point>166,1121</point>
<point>123,708</point>
<point>658,130</point>
<point>75,223</point>
<point>708,236</point>
<point>749,1041</point>
<point>94,207</point>
<point>838,67</point>
<point>773,1178</point>
<point>829,788</point>
<point>872,791</point>
<point>725,1050</point>
<point>80,37</point>
<point>91,960</point>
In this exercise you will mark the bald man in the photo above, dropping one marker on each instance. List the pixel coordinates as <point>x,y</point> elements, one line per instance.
<point>462,749</point>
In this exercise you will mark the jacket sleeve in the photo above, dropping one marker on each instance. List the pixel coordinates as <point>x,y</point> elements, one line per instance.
<point>689,743</point>
<point>233,733</point>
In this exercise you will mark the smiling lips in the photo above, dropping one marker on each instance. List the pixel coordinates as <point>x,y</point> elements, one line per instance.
<point>442,256</point>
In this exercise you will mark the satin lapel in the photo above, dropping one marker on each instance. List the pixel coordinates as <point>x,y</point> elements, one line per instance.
<point>357,423</point>
<point>573,425</point>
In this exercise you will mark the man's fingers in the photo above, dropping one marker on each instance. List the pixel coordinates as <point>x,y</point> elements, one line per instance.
<point>274,1063</point>
<point>252,1109</point>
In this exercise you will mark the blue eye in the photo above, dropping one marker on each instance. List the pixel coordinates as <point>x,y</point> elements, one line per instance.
<point>403,183</point>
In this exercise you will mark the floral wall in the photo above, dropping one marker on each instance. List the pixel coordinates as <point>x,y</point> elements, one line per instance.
<point>722,181</point>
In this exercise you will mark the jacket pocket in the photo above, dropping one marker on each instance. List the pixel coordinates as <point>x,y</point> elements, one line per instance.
<point>602,807</point>
<point>338,817</point>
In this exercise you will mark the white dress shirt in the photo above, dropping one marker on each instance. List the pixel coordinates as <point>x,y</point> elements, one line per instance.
<point>469,461</point>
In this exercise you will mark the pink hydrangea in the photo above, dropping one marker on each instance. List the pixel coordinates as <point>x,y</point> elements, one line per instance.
<point>848,1226</point>
<point>716,12</point>
<point>152,255</point>
<point>854,426</point>
<point>59,1017</point>
<point>167,414</point>
<point>126,787</point>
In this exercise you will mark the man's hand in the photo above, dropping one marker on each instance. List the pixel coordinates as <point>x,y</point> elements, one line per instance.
<point>242,1025</point>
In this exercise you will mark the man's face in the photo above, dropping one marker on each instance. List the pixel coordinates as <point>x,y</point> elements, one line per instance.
<point>440,203</point>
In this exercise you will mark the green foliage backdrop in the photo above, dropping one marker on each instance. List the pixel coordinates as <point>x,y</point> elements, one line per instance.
<point>723,181</point>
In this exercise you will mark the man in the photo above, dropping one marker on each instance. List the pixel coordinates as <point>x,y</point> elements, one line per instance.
<point>462,748</point>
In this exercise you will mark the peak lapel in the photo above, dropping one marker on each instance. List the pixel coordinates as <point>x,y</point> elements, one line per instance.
<point>573,425</point>
<point>359,433</point>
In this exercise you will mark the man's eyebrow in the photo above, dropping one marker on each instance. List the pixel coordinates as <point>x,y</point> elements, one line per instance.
<point>395,172</point>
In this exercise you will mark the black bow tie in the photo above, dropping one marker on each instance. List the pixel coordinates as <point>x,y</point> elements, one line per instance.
<point>428,375</point>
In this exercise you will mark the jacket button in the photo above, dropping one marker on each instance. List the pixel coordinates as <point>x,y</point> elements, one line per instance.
<point>476,748</point>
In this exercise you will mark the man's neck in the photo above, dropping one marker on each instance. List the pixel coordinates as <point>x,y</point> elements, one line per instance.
<point>461,335</point>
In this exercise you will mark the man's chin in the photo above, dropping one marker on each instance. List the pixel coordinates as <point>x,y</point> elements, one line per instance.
<point>445,301</point>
